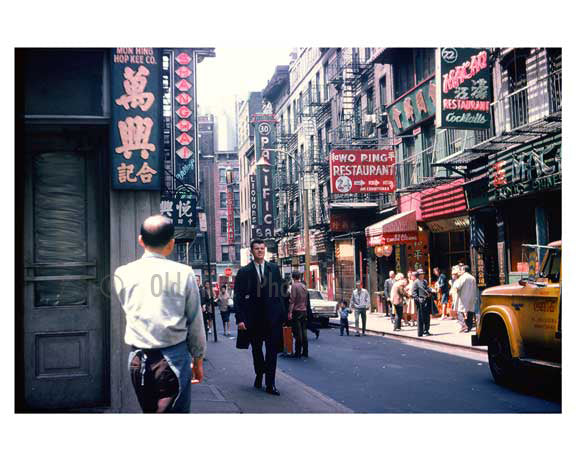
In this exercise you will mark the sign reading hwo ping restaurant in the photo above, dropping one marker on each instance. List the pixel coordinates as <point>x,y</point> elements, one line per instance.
<point>261,196</point>
<point>136,118</point>
<point>179,203</point>
<point>464,88</point>
<point>362,171</point>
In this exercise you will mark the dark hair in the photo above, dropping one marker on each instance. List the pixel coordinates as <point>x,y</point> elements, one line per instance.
<point>343,301</point>
<point>258,241</point>
<point>465,268</point>
<point>296,275</point>
<point>157,231</point>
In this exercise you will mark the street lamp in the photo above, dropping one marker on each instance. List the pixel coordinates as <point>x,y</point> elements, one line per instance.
<point>306,183</point>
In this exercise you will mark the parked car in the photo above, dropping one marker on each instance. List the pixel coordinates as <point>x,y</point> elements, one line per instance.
<point>322,309</point>
<point>520,323</point>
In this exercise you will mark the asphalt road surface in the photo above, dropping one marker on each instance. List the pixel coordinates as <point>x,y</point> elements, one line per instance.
<point>375,374</point>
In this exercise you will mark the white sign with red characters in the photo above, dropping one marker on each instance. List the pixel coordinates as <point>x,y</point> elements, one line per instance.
<point>362,171</point>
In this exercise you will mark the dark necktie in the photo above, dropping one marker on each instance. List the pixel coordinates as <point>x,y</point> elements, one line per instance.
<point>261,276</point>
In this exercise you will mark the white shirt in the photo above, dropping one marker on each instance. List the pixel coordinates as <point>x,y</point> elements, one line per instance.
<point>260,274</point>
<point>162,305</point>
<point>360,299</point>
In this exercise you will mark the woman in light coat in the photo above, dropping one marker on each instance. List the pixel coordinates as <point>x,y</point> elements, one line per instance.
<point>410,304</point>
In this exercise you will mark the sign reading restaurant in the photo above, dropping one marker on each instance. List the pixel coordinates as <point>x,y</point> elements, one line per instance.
<point>136,118</point>
<point>362,171</point>
<point>464,88</point>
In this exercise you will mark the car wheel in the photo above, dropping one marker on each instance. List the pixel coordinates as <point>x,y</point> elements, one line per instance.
<point>500,359</point>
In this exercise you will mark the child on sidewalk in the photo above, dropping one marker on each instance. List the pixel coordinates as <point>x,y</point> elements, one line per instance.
<point>344,311</point>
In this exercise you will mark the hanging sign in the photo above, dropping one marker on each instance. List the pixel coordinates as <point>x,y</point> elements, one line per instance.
<point>413,108</point>
<point>265,154</point>
<point>464,88</point>
<point>362,171</point>
<point>136,118</point>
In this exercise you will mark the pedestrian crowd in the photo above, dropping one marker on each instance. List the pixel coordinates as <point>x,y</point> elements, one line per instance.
<point>167,332</point>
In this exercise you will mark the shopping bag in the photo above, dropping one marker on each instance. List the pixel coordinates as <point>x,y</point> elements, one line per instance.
<point>288,341</point>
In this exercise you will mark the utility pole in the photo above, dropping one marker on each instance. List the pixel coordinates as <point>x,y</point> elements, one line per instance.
<point>204,228</point>
<point>306,232</point>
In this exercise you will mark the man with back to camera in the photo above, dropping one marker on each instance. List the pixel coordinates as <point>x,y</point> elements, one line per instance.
<point>260,297</point>
<point>164,323</point>
<point>297,315</point>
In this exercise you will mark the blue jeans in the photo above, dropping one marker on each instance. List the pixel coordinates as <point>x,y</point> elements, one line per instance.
<point>179,360</point>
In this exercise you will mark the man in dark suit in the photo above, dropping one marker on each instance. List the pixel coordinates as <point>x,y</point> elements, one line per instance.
<point>422,296</point>
<point>260,297</point>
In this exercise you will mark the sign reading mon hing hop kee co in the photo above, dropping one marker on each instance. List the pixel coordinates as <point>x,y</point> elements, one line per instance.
<point>136,118</point>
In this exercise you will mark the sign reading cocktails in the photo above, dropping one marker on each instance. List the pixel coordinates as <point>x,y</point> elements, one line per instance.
<point>464,88</point>
<point>362,171</point>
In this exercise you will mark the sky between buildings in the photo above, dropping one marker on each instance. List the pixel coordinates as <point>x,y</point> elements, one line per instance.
<point>233,73</point>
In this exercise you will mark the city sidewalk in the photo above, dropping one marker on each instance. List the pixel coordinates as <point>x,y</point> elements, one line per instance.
<point>228,386</point>
<point>443,331</point>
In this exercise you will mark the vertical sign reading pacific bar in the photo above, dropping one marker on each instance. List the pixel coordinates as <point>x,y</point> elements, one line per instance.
<point>136,118</point>
<point>265,153</point>
<point>464,88</point>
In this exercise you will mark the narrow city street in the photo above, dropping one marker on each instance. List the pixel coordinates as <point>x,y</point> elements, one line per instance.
<point>373,374</point>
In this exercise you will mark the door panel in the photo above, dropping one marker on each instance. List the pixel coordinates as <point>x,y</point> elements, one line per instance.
<point>64,310</point>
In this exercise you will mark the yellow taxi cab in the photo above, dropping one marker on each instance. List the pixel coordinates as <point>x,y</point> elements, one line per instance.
<point>521,323</point>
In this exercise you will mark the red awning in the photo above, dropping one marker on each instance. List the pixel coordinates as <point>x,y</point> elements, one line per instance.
<point>398,229</point>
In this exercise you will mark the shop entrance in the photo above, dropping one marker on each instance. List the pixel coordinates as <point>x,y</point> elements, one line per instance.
<point>65,249</point>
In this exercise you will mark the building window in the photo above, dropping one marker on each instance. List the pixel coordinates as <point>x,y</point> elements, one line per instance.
<point>403,73</point>
<point>367,54</point>
<point>225,253</point>
<point>223,226</point>
<point>222,172</point>
<point>517,80</point>
<point>236,200</point>
<point>370,101</point>
<point>428,135</point>
<point>236,228</point>
<point>425,63</point>
<point>236,175</point>
<point>408,147</point>
<point>289,129</point>
<point>222,199</point>
<point>237,253</point>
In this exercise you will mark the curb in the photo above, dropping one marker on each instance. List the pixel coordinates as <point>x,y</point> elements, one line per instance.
<point>414,338</point>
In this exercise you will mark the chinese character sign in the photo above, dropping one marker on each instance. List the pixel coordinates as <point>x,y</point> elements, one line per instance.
<point>362,171</point>
<point>464,87</point>
<point>136,118</point>
<point>180,208</point>
<point>414,107</point>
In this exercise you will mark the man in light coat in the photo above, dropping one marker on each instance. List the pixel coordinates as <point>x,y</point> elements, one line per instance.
<point>467,290</point>
<point>360,302</point>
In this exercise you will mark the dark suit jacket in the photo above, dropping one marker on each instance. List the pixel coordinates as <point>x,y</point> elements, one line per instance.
<point>264,305</point>
<point>420,291</point>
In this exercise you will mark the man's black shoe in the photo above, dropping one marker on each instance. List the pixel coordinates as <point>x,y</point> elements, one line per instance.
<point>317,334</point>
<point>272,390</point>
<point>258,382</point>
